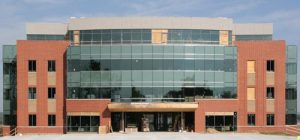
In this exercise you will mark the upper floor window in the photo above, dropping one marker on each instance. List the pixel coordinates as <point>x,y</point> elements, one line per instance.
<point>51,93</point>
<point>51,65</point>
<point>32,66</point>
<point>32,93</point>
<point>270,65</point>
<point>270,92</point>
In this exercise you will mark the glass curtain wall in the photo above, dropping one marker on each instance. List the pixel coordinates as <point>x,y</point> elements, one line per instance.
<point>291,85</point>
<point>144,36</point>
<point>9,85</point>
<point>253,37</point>
<point>151,73</point>
<point>45,37</point>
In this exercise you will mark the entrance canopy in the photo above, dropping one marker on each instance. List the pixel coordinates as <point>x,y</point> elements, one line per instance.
<point>153,107</point>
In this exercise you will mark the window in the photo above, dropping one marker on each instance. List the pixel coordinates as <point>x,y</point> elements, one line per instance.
<point>6,68</point>
<point>32,120</point>
<point>270,66</point>
<point>32,66</point>
<point>32,93</point>
<point>51,65</point>
<point>270,92</point>
<point>83,123</point>
<point>51,93</point>
<point>51,120</point>
<point>270,119</point>
<point>251,119</point>
<point>95,65</point>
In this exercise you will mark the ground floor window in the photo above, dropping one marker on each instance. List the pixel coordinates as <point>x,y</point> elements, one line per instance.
<point>51,120</point>
<point>291,119</point>
<point>270,119</point>
<point>221,122</point>
<point>251,119</point>
<point>32,120</point>
<point>83,123</point>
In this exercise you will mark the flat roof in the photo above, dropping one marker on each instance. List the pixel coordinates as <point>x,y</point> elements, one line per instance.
<point>47,28</point>
<point>253,29</point>
<point>150,23</point>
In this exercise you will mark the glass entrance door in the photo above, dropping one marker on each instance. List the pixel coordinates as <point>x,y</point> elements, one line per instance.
<point>166,121</point>
<point>154,121</point>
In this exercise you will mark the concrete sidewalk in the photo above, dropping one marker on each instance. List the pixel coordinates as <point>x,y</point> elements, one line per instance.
<point>154,136</point>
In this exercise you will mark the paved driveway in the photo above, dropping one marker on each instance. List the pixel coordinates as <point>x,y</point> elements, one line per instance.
<point>153,136</point>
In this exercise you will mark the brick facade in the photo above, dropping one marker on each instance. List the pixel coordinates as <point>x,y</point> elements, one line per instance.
<point>212,105</point>
<point>261,51</point>
<point>41,51</point>
<point>91,106</point>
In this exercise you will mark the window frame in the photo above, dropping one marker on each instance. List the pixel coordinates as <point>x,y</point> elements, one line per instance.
<point>51,66</point>
<point>32,65</point>
<point>272,90</point>
<point>270,65</point>
<point>51,120</point>
<point>32,120</point>
<point>51,92</point>
<point>270,119</point>
<point>32,92</point>
<point>251,119</point>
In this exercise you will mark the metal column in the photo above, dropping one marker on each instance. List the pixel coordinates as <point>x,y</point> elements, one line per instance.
<point>122,122</point>
<point>182,121</point>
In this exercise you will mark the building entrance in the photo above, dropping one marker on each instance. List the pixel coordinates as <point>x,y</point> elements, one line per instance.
<point>153,121</point>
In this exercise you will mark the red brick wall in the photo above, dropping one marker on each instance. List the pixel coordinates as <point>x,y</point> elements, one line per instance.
<point>41,51</point>
<point>212,105</point>
<point>97,105</point>
<point>261,51</point>
<point>6,130</point>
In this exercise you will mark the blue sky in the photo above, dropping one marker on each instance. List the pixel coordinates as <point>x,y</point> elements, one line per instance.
<point>284,14</point>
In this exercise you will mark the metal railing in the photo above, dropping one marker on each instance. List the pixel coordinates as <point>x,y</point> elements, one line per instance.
<point>292,130</point>
<point>153,100</point>
<point>13,132</point>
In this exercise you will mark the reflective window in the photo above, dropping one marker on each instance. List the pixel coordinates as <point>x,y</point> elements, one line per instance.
<point>151,73</point>
<point>83,123</point>
<point>253,37</point>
